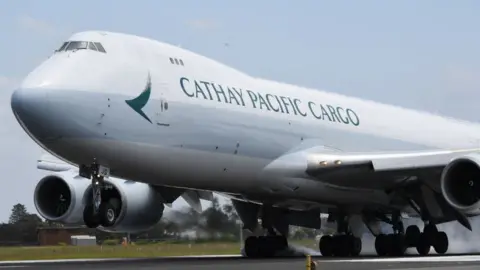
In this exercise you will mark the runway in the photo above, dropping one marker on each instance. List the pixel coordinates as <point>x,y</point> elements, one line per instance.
<point>463,262</point>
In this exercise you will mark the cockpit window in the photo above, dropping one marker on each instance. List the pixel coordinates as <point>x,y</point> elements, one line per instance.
<point>100,47</point>
<point>81,45</point>
<point>92,47</point>
<point>77,45</point>
<point>63,46</point>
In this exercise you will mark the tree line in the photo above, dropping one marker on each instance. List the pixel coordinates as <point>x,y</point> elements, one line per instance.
<point>217,222</point>
<point>214,222</point>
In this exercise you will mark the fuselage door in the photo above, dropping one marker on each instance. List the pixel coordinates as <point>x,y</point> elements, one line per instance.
<point>162,106</point>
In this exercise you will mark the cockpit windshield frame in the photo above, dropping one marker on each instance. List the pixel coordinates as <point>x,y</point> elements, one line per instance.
<point>74,45</point>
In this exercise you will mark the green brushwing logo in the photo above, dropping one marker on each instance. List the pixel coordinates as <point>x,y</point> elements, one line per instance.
<point>139,102</point>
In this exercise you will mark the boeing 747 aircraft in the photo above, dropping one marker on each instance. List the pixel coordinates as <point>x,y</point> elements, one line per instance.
<point>138,123</point>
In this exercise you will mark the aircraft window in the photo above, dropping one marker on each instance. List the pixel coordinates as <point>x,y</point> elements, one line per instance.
<point>77,45</point>
<point>100,47</point>
<point>171,61</point>
<point>91,46</point>
<point>62,47</point>
<point>181,62</point>
<point>176,61</point>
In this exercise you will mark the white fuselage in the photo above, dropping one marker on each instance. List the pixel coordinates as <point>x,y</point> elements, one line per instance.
<point>208,126</point>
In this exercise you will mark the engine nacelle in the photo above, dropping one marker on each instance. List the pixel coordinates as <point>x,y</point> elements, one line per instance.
<point>141,205</point>
<point>59,197</point>
<point>460,183</point>
<point>62,197</point>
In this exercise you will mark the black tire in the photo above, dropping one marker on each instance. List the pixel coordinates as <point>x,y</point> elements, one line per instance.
<point>89,219</point>
<point>431,231</point>
<point>381,245</point>
<point>341,245</point>
<point>441,243</point>
<point>108,214</point>
<point>423,245</point>
<point>282,243</point>
<point>356,247</point>
<point>251,247</point>
<point>266,247</point>
<point>412,235</point>
<point>398,246</point>
<point>325,245</point>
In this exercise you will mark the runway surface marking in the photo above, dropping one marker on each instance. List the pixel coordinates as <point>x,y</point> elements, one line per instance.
<point>120,259</point>
<point>456,267</point>
<point>461,258</point>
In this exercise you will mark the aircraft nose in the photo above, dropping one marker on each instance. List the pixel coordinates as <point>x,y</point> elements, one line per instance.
<point>16,102</point>
<point>30,107</point>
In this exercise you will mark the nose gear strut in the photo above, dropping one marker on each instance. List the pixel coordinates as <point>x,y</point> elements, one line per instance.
<point>100,211</point>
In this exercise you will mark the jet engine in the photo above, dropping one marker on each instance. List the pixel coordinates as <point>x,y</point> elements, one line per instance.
<point>139,205</point>
<point>460,183</point>
<point>61,197</point>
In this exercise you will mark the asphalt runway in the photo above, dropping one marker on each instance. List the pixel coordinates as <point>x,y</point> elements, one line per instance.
<point>463,262</point>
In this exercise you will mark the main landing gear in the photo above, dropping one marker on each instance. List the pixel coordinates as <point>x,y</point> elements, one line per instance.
<point>266,245</point>
<point>101,210</point>
<point>344,243</point>
<point>396,244</point>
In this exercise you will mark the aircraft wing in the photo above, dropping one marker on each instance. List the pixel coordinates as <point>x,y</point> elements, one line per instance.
<point>49,162</point>
<point>441,182</point>
<point>374,170</point>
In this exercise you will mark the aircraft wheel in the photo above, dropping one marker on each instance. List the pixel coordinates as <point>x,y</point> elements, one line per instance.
<point>89,219</point>
<point>412,234</point>
<point>441,243</point>
<point>397,247</point>
<point>282,243</point>
<point>423,245</point>
<point>381,245</point>
<point>431,231</point>
<point>264,246</point>
<point>108,214</point>
<point>252,247</point>
<point>326,245</point>
<point>356,246</point>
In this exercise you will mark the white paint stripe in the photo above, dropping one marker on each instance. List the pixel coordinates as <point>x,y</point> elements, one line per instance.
<point>463,258</point>
<point>116,259</point>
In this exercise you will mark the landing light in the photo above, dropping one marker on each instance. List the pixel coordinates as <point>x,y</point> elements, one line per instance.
<point>338,162</point>
<point>323,163</point>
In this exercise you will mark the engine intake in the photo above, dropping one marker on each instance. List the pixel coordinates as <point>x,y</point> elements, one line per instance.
<point>460,183</point>
<point>58,197</point>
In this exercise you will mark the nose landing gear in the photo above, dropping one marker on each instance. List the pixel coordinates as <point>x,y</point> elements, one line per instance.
<point>101,210</point>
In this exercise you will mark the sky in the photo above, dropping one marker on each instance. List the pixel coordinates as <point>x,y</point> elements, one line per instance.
<point>417,54</point>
